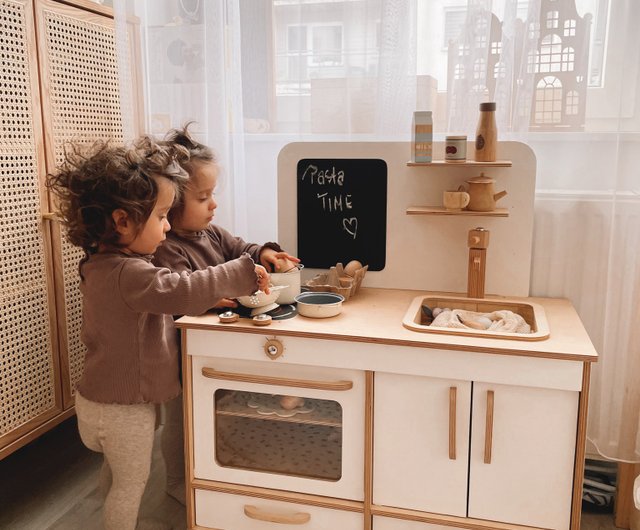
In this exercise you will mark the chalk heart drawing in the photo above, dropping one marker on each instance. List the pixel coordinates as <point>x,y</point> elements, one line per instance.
<point>351,225</point>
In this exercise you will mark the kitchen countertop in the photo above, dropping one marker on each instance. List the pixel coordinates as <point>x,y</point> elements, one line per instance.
<point>375,315</point>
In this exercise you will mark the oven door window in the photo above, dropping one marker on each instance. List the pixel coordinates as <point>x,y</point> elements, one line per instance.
<point>284,434</point>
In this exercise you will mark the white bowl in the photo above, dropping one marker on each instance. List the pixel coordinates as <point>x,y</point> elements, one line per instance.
<point>291,281</point>
<point>319,304</point>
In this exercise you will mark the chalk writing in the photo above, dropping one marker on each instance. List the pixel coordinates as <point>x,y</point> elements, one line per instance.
<point>335,203</point>
<point>342,209</point>
<point>323,177</point>
<point>351,226</point>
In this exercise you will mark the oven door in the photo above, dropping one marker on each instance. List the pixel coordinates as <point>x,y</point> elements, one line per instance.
<point>280,426</point>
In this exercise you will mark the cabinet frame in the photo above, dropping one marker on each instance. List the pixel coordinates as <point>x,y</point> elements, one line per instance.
<point>198,339</point>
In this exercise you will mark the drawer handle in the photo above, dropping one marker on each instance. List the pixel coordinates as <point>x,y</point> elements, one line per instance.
<point>488,429</point>
<point>295,518</point>
<point>282,381</point>
<point>452,422</point>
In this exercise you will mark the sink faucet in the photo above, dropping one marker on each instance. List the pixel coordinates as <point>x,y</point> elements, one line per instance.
<point>478,241</point>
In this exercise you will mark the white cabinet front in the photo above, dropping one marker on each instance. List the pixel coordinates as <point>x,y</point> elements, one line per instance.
<point>421,443</point>
<point>517,467</point>
<point>222,511</point>
<point>522,454</point>
<point>288,427</point>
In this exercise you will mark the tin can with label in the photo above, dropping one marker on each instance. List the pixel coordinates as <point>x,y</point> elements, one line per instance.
<point>455,148</point>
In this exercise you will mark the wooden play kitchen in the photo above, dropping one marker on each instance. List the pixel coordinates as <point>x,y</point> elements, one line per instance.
<point>365,420</point>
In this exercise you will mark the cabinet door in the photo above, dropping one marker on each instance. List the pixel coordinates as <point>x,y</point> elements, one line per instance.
<point>29,390</point>
<point>421,443</point>
<point>82,100</point>
<point>522,455</point>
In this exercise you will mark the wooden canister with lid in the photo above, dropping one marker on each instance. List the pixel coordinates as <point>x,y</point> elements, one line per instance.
<point>486,133</point>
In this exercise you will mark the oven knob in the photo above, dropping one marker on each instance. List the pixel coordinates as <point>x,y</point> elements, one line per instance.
<point>273,348</point>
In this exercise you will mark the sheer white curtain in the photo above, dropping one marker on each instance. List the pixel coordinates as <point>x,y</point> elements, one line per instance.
<point>257,74</point>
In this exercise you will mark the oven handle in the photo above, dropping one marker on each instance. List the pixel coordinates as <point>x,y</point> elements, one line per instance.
<point>282,381</point>
<point>295,518</point>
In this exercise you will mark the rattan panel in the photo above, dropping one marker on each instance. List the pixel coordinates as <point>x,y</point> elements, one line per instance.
<point>27,384</point>
<point>84,104</point>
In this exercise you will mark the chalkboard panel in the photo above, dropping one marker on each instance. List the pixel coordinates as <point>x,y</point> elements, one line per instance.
<point>342,212</point>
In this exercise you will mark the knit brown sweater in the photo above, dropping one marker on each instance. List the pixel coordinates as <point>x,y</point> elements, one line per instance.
<point>198,250</point>
<point>132,347</point>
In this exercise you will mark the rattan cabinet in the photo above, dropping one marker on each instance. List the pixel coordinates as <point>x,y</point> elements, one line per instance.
<point>59,83</point>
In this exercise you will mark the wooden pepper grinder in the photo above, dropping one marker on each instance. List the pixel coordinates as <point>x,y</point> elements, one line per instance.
<point>477,242</point>
<point>486,133</point>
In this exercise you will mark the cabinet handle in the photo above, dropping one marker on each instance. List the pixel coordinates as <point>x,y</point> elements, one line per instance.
<point>488,429</point>
<point>50,216</point>
<point>452,422</point>
<point>282,381</point>
<point>253,512</point>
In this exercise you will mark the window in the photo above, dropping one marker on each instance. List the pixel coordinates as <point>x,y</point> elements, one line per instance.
<point>453,24</point>
<point>548,101</point>
<point>570,28</point>
<point>297,53</point>
<point>568,59</point>
<point>552,19</point>
<point>550,54</point>
<point>571,105</point>
<point>479,69</point>
<point>326,45</point>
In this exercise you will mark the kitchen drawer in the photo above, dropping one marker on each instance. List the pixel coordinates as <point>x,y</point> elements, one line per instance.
<point>388,523</point>
<point>224,511</point>
<point>357,355</point>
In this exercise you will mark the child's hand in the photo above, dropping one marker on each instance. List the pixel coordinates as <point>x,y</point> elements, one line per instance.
<point>263,279</point>
<point>281,261</point>
<point>226,302</point>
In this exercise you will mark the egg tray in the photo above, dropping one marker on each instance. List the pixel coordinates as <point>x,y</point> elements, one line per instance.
<point>337,281</point>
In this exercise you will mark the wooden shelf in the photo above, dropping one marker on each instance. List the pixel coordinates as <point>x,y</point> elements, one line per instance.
<point>496,163</point>
<point>439,210</point>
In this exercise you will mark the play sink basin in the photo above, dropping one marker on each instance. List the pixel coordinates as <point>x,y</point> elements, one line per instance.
<point>532,313</point>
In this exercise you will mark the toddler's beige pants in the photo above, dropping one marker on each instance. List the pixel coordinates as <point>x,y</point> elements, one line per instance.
<point>172,446</point>
<point>124,433</point>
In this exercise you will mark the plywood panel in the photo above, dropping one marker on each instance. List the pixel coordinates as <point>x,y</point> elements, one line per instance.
<point>429,252</point>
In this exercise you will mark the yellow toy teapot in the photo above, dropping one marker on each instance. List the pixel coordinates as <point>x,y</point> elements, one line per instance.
<point>481,194</point>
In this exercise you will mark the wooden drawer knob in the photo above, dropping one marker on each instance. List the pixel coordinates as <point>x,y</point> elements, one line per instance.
<point>273,348</point>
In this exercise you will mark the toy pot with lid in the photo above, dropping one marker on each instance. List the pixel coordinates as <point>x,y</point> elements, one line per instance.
<point>482,196</point>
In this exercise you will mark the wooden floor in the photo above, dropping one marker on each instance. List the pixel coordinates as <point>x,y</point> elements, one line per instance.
<point>50,484</point>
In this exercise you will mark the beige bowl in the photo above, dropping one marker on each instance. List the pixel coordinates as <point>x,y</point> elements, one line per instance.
<point>319,304</point>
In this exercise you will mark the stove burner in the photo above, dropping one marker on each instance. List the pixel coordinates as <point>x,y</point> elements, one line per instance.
<point>282,312</point>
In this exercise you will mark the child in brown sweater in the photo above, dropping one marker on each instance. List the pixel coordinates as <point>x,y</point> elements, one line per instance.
<point>113,202</point>
<point>195,243</point>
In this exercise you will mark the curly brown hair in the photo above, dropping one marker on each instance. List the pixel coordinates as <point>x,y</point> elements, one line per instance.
<point>94,181</point>
<point>197,153</point>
